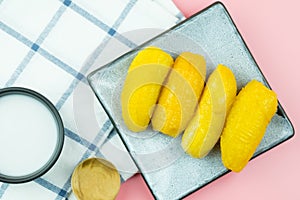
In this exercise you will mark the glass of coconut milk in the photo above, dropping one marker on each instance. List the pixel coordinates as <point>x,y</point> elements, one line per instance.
<point>31,135</point>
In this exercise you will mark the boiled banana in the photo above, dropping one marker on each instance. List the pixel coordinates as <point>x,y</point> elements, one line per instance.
<point>204,130</point>
<point>142,86</point>
<point>180,94</point>
<point>246,124</point>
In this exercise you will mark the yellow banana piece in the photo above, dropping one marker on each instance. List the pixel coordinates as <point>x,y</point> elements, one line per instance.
<point>142,86</point>
<point>204,130</point>
<point>180,95</point>
<point>246,124</point>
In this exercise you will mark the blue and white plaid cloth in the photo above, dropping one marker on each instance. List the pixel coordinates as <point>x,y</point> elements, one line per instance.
<point>43,46</point>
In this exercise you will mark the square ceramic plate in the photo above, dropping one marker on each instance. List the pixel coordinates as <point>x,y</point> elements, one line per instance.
<point>167,170</point>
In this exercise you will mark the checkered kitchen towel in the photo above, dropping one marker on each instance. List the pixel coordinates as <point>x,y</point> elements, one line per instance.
<point>44,45</point>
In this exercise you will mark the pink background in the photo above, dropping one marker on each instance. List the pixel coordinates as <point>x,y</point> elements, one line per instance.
<point>271,29</point>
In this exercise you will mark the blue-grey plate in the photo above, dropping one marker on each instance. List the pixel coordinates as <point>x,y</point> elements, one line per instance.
<point>167,170</point>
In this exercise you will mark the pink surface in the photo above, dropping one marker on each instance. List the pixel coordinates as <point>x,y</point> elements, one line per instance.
<point>272,31</point>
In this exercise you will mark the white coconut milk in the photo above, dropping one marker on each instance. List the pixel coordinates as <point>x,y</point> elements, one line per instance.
<point>28,135</point>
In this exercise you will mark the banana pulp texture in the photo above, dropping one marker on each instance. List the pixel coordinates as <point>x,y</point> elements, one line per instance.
<point>142,86</point>
<point>180,95</point>
<point>204,130</point>
<point>95,179</point>
<point>246,124</point>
